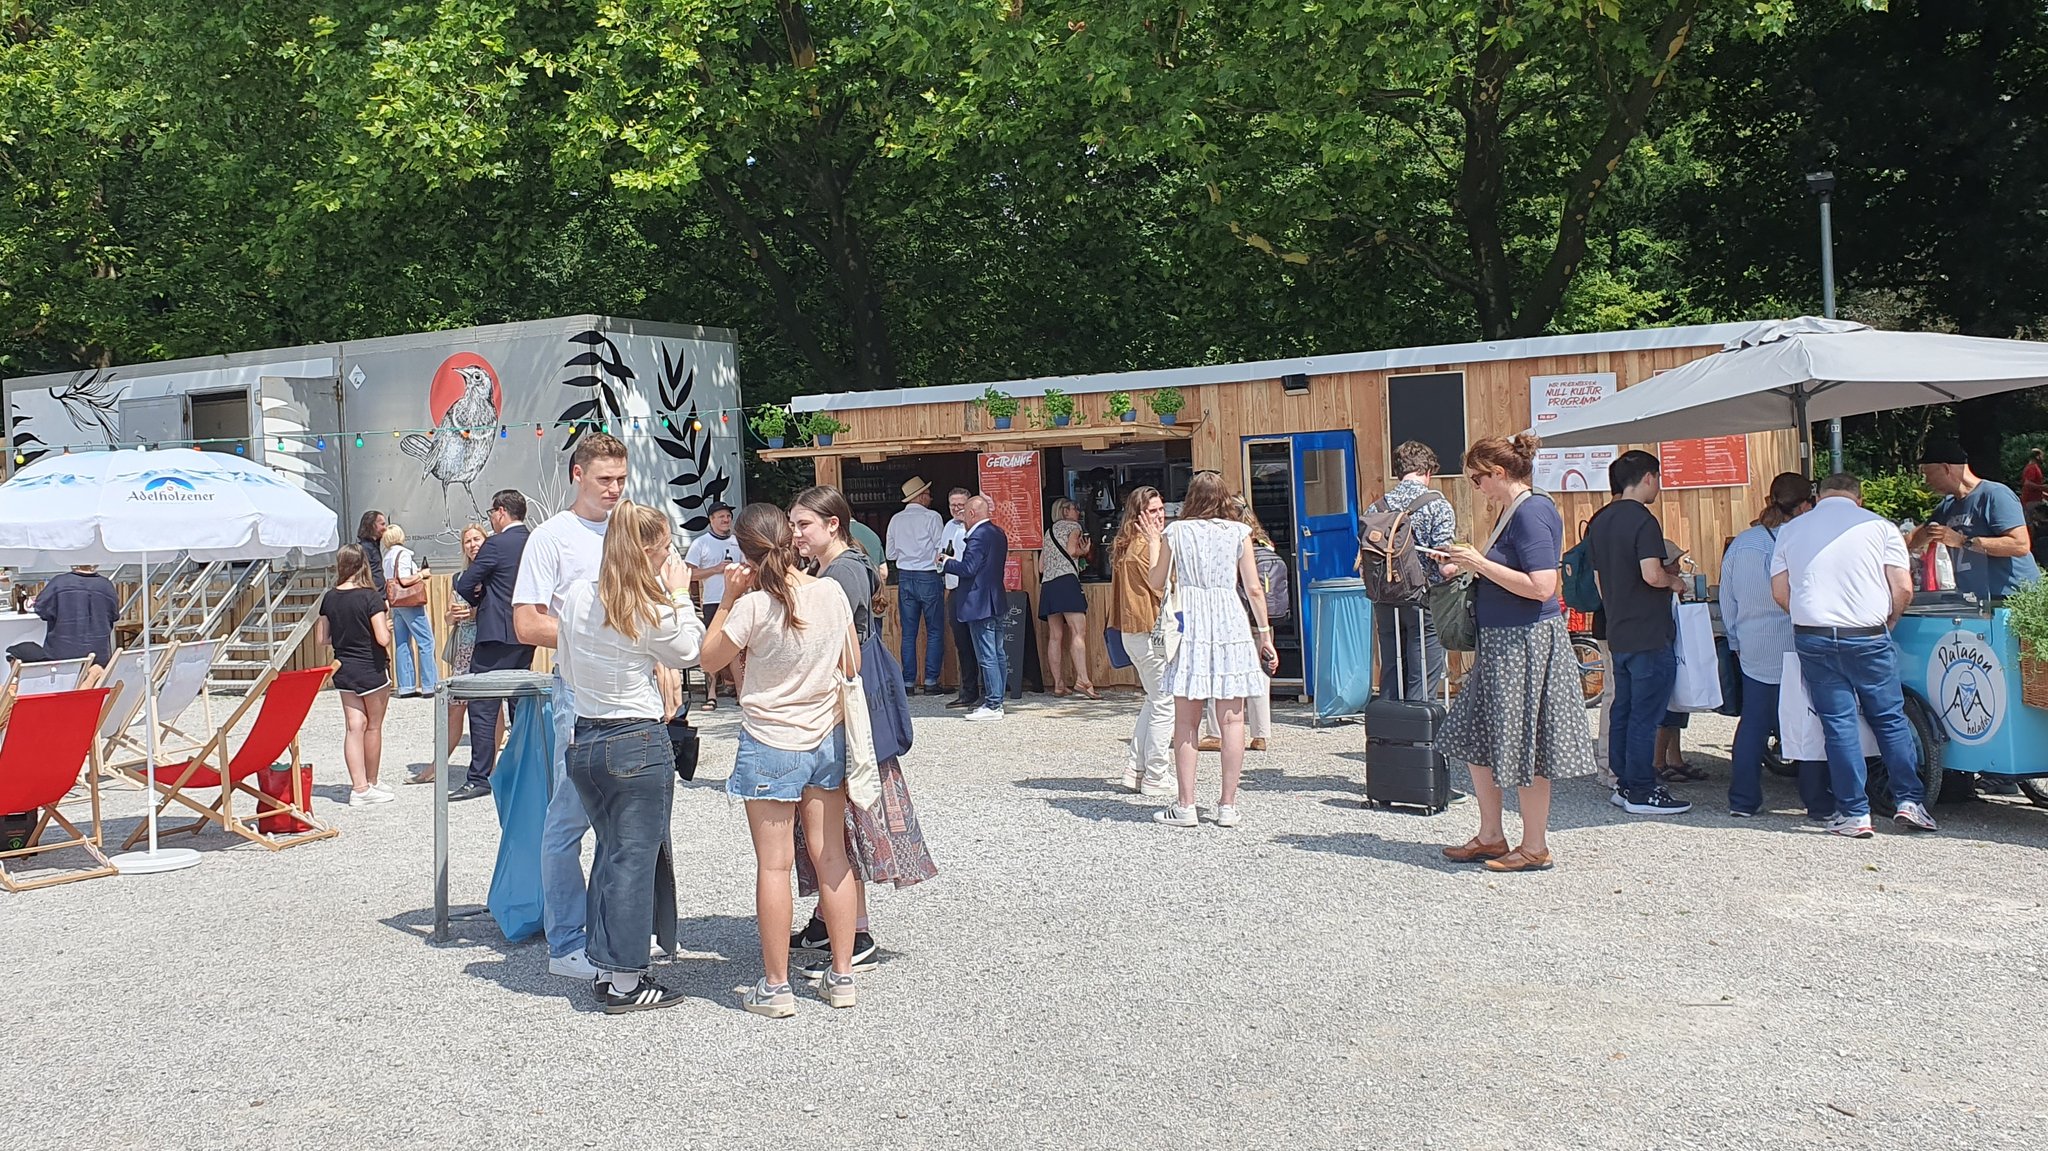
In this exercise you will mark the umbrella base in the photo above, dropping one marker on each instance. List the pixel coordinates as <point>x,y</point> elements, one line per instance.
<point>152,862</point>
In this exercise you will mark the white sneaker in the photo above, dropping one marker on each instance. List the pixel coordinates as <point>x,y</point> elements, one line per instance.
<point>654,950</point>
<point>1226,815</point>
<point>1174,816</point>
<point>1130,780</point>
<point>386,789</point>
<point>1851,827</point>
<point>1914,817</point>
<point>984,714</point>
<point>368,797</point>
<point>575,965</point>
<point>1158,787</point>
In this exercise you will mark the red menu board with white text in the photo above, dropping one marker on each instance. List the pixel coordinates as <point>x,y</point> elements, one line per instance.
<point>1713,462</point>
<point>1014,485</point>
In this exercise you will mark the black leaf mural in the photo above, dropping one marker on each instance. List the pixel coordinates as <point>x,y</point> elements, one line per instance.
<point>674,428</point>
<point>91,402</point>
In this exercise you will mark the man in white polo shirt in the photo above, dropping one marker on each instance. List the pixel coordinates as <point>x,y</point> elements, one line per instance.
<point>1844,575</point>
<point>563,551</point>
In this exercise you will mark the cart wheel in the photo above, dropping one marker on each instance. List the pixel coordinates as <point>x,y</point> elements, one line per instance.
<point>1879,787</point>
<point>2035,790</point>
<point>1592,672</point>
<point>1775,761</point>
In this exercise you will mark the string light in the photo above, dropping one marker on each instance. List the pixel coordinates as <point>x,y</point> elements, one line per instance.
<point>539,431</point>
<point>239,451</point>
<point>359,440</point>
<point>321,444</point>
<point>280,445</point>
<point>504,433</point>
<point>696,425</point>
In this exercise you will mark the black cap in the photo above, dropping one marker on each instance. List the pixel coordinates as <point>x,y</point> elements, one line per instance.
<point>719,506</point>
<point>1945,452</point>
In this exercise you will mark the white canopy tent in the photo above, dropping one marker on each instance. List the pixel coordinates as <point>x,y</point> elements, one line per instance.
<point>109,507</point>
<point>1793,373</point>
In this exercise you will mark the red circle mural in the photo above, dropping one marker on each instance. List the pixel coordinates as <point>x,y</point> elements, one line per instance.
<point>450,380</point>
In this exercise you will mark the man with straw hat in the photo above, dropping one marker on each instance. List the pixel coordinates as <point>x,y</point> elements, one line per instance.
<point>914,539</point>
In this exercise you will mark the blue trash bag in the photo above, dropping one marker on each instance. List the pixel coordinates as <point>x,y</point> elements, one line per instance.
<point>519,786</point>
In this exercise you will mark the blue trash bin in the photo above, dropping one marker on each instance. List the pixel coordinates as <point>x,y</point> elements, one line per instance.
<point>1342,680</point>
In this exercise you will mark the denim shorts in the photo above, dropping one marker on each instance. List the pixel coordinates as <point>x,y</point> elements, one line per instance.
<point>763,772</point>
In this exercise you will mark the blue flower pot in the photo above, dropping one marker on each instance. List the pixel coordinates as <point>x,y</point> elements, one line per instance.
<point>1061,421</point>
<point>1166,419</point>
<point>775,442</point>
<point>1130,417</point>
<point>824,439</point>
<point>1002,423</point>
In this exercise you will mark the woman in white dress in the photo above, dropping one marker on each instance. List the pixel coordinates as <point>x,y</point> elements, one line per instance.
<point>1208,552</point>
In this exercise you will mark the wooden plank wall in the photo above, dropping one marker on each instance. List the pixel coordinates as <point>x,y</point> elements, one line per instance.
<point>1496,403</point>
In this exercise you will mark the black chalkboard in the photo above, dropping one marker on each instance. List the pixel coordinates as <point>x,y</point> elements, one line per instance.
<point>1430,408</point>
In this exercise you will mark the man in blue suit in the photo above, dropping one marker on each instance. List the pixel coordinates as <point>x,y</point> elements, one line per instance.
<point>980,568</point>
<point>487,585</point>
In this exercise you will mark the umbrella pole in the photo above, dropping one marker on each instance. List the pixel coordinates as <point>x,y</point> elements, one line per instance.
<point>153,860</point>
<point>1805,427</point>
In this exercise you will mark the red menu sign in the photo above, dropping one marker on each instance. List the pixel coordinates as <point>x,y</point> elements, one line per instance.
<point>1015,491</point>
<point>1714,462</point>
<point>1013,572</point>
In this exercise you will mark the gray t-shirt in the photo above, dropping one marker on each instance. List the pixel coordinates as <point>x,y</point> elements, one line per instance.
<point>857,580</point>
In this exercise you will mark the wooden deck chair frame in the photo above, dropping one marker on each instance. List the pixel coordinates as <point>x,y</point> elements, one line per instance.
<point>221,810</point>
<point>48,678</point>
<point>126,704</point>
<point>91,843</point>
<point>192,659</point>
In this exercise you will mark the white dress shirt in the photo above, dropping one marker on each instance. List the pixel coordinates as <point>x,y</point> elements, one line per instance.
<point>610,676</point>
<point>1835,558</point>
<point>914,535</point>
<point>955,537</point>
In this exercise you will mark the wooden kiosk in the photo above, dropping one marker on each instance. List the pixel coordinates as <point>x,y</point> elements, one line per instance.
<point>1309,440</point>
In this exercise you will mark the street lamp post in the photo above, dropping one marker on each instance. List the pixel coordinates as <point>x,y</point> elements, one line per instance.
<point>1822,184</point>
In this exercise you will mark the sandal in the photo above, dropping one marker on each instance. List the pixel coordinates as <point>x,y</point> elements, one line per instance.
<point>1059,693</point>
<point>1694,774</point>
<point>1088,689</point>
<point>1476,849</point>
<point>1674,775</point>
<point>711,703</point>
<point>1521,859</point>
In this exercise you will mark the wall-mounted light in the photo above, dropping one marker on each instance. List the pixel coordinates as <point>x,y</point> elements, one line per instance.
<point>1295,384</point>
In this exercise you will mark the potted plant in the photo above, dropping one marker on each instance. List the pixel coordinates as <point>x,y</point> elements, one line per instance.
<point>1060,406</point>
<point>2027,615</point>
<point>1164,403</point>
<point>821,427</point>
<point>1122,408</point>
<point>1001,407</point>
<point>771,424</point>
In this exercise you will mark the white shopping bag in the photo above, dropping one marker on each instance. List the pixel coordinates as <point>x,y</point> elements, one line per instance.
<point>1799,732</point>
<point>1698,687</point>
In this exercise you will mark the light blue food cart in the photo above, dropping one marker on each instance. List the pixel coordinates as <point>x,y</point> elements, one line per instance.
<point>1959,662</point>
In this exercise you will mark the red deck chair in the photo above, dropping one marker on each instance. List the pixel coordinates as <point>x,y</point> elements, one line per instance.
<point>48,739</point>
<point>287,698</point>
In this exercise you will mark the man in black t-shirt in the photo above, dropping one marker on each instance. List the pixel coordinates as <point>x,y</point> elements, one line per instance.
<point>1635,619</point>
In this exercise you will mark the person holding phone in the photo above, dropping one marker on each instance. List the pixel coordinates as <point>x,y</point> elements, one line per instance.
<point>1208,552</point>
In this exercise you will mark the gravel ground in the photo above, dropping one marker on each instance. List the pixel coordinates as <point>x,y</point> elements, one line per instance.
<point>1076,977</point>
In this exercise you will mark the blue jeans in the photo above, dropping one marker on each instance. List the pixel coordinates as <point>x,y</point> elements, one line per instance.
<point>412,622</point>
<point>1642,690</point>
<point>921,597</point>
<point>1843,675</point>
<point>988,656</point>
<point>625,773</point>
<point>781,775</point>
<point>1752,738</point>
<point>563,901</point>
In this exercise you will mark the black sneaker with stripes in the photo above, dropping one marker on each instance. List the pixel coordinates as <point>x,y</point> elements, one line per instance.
<point>647,995</point>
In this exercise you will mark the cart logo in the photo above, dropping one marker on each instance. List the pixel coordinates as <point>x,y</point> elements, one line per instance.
<point>1967,685</point>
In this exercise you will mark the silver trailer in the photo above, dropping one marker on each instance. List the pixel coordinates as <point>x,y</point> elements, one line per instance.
<point>425,427</point>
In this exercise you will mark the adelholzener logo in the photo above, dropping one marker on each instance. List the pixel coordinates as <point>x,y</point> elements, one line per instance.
<point>170,489</point>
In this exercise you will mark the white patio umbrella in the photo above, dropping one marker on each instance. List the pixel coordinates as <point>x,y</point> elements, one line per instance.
<point>1792,373</point>
<point>109,507</point>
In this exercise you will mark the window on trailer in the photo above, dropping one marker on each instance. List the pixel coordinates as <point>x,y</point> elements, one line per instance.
<point>1429,408</point>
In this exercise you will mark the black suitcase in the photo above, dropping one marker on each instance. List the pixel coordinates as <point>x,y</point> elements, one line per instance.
<point>1402,765</point>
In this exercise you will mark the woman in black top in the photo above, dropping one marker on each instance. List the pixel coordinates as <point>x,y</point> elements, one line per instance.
<point>356,623</point>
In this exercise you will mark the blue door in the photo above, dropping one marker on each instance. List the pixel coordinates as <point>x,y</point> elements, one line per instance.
<point>1304,488</point>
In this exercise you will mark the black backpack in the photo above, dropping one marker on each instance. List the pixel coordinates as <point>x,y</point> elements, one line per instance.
<point>1387,559</point>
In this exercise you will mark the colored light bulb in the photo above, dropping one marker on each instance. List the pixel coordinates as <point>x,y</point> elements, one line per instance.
<point>359,441</point>
<point>320,445</point>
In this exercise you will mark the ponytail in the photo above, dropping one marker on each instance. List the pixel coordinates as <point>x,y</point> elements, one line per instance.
<point>763,534</point>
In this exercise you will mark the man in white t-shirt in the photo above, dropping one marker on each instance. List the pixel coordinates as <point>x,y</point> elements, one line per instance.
<point>707,557</point>
<point>566,550</point>
<point>1844,575</point>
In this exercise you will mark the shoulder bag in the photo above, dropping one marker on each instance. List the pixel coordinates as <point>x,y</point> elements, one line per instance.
<point>1166,630</point>
<point>1454,603</point>
<point>399,595</point>
<point>863,773</point>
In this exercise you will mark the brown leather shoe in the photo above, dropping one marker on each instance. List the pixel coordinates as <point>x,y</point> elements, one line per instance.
<point>1521,859</point>
<point>1209,743</point>
<point>1476,849</point>
<point>1256,745</point>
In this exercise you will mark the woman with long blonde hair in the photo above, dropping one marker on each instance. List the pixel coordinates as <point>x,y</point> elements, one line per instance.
<point>1061,603</point>
<point>1134,608</point>
<point>614,633</point>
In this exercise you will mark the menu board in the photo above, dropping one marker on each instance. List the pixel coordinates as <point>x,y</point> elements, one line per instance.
<point>1014,486</point>
<point>1013,572</point>
<point>1714,462</point>
<point>1570,469</point>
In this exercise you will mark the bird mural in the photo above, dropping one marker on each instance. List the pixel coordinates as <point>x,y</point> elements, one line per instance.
<point>465,401</point>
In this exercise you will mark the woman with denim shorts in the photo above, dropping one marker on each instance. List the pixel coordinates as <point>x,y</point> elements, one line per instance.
<point>613,634</point>
<point>797,633</point>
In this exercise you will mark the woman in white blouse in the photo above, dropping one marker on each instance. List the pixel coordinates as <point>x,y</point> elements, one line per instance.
<point>613,634</point>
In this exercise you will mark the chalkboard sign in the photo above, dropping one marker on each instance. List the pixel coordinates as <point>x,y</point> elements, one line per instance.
<point>1429,408</point>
